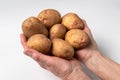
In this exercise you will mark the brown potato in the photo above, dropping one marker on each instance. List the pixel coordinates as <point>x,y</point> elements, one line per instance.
<point>62,49</point>
<point>40,43</point>
<point>49,33</point>
<point>49,17</point>
<point>32,25</point>
<point>57,31</point>
<point>72,21</point>
<point>77,38</point>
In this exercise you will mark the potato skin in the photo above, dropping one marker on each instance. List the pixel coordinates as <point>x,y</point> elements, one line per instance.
<point>72,21</point>
<point>57,31</point>
<point>40,43</point>
<point>32,25</point>
<point>49,17</point>
<point>62,49</point>
<point>77,38</point>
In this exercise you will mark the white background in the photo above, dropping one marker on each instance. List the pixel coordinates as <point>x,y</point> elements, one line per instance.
<point>102,16</point>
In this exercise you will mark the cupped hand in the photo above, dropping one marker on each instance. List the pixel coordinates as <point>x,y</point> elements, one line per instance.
<point>58,66</point>
<point>85,53</point>
<point>103,67</point>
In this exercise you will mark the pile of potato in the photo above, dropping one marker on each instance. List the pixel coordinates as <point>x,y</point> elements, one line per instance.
<point>49,33</point>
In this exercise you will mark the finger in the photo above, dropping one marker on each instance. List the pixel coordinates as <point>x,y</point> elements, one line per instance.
<point>43,65</point>
<point>40,57</point>
<point>88,31</point>
<point>86,28</point>
<point>23,41</point>
<point>44,60</point>
<point>75,62</point>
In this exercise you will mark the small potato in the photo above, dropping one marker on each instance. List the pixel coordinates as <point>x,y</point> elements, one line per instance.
<point>72,21</point>
<point>32,25</point>
<point>40,43</point>
<point>77,38</point>
<point>62,49</point>
<point>49,17</point>
<point>57,31</point>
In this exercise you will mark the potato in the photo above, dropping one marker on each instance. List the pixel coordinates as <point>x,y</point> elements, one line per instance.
<point>72,21</point>
<point>32,25</point>
<point>40,43</point>
<point>49,17</point>
<point>62,49</point>
<point>77,38</point>
<point>49,33</point>
<point>57,31</point>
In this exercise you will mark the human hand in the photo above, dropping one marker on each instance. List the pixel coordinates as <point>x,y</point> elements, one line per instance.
<point>85,53</point>
<point>102,66</point>
<point>65,69</point>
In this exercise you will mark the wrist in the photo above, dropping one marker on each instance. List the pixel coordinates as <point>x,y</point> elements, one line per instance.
<point>86,54</point>
<point>104,66</point>
<point>77,74</point>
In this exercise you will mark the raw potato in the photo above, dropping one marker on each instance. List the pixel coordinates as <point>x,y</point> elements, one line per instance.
<point>40,43</point>
<point>62,49</point>
<point>57,31</point>
<point>72,21</point>
<point>48,33</point>
<point>32,25</point>
<point>49,17</point>
<point>77,38</point>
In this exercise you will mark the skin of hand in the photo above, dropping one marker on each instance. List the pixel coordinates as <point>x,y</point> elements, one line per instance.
<point>102,66</point>
<point>64,69</point>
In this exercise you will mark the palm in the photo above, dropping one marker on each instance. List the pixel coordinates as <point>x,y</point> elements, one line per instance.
<point>60,67</point>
